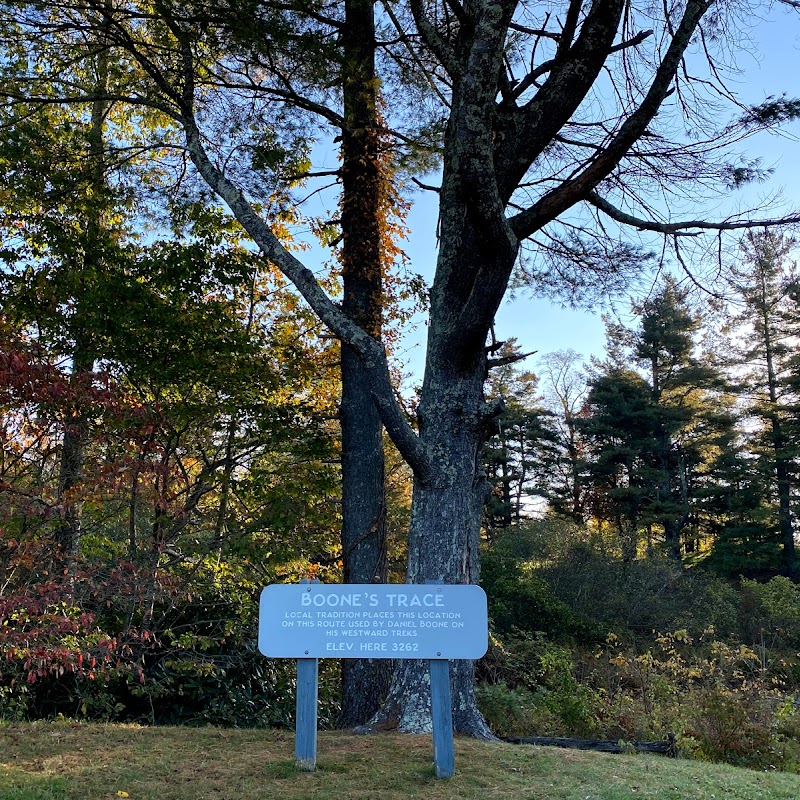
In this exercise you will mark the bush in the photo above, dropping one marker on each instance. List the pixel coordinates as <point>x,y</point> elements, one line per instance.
<point>528,687</point>
<point>735,727</point>
<point>522,601</point>
<point>508,711</point>
<point>770,612</point>
<point>228,684</point>
<point>116,643</point>
<point>720,699</point>
<point>639,597</point>
<point>58,656</point>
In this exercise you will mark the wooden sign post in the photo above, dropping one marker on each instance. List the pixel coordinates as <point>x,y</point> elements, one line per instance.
<point>434,622</point>
<point>305,725</point>
<point>305,747</point>
<point>444,757</point>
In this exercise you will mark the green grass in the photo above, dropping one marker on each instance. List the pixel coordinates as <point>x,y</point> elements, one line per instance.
<point>63,761</point>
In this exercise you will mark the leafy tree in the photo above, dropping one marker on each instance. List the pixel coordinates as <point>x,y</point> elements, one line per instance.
<point>740,518</point>
<point>62,218</point>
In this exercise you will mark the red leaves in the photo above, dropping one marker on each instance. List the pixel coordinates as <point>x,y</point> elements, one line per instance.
<point>30,381</point>
<point>45,635</point>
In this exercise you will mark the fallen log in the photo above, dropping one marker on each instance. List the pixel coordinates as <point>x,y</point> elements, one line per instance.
<point>667,747</point>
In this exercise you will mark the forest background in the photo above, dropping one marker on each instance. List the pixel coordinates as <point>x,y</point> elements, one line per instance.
<point>174,419</point>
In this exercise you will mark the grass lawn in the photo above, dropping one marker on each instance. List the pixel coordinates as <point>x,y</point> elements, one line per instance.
<point>63,761</point>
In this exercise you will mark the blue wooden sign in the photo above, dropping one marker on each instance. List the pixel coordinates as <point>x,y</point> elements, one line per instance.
<point>308,621</point>
<point>314,620</point>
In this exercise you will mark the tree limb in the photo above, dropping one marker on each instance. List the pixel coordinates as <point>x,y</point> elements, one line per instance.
<point>371,352</point>
<point>492,363</point>
<point>632,42</point>
<point>532,127</point>
<point>576,189</point>
<point>440,47</point>
<point>686,225</point>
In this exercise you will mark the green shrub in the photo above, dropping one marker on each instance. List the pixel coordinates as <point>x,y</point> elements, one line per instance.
<point>528,687</point>
<point>508,711</point>
<point>230,686</point>
<point>770,612</point>
<point>720,698</point>
<point>639,597</point>
<point>522,601</point>
<point>735,727</point>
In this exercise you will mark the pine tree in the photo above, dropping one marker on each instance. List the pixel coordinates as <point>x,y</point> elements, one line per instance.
<point>654,433</point>
<point>767,324</point>
<point>520,457</point>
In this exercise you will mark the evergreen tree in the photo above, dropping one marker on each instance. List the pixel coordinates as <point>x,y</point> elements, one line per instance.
<point>654,435</point>
<point>619,432</point>
<point>520,457</point>
<point>765,328</point>
<point>664,346</point>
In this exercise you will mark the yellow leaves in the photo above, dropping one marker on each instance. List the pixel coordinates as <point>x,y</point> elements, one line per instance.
<point>646,660</point>
<point>120,793</point>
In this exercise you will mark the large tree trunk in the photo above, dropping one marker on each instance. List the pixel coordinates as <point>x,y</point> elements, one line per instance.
<point>364,682</point>
<point>476,256</point>
<point>444,539</point>
<point>454,421</point>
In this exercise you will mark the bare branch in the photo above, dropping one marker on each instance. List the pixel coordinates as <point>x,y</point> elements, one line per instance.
<point>492,363</point>
<point>685,227</point>
<point>403,37</point>
<point>632,42</point>
<point>427,187</point>
<point>532,128</point>
<point>515,26</point>
<point>578,187</point>
<point>568,31</point>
